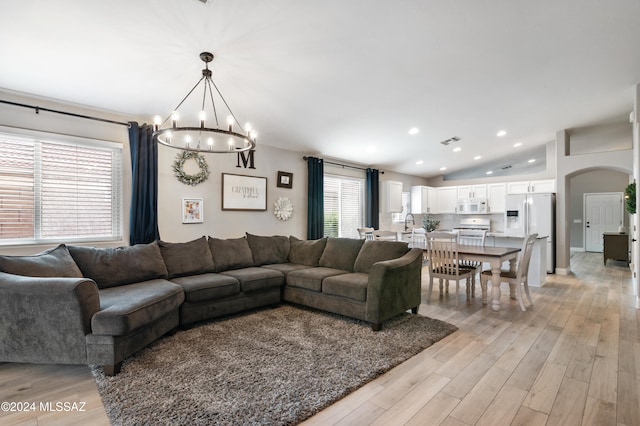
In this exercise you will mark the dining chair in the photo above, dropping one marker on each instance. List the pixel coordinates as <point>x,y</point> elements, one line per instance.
<point>418,238</point>
<point>385,235</point>
<point>517,278</point>
<point>365,233</point>
<point>472,237</point>
<point>443,262</point>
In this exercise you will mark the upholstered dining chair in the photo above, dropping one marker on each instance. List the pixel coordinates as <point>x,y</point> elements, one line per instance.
<point>444,264</point>
<point>472,237</point>
<point>365,233</point>
<point>517,278</point>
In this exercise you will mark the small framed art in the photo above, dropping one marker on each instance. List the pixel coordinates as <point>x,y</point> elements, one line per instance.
<point>285,180</point>
<point>192,210</point>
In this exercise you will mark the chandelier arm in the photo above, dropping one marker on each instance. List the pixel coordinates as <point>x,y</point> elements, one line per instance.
<point>226,104</point>
<point>184,99</point>
<point>207,83</point>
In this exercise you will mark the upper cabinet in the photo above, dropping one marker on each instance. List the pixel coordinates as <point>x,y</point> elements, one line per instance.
<point>496,194</point>
<point>423,200</point>
<point>532,187</point>
<point>393,196</point>
<point>447,199</point>
<point>472,191</point>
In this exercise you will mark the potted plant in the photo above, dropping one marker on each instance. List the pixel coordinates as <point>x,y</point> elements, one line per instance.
<point>429,223</point>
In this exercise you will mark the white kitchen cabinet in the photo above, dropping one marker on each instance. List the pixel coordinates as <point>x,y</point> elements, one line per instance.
<point>496,194</point>
<point>532,187</point>
<point>447,199</point>
<point>392,196</point>
<point>423,199</point>
<point>472,191</point>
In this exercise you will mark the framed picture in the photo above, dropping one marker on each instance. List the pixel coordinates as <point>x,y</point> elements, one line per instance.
<point>285,180</point>
<point>192,210</point>
<point>240,192</point>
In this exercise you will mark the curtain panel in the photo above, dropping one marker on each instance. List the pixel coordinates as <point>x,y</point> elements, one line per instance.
<point>315,200</point>
<point>372,198</point>
<point>144,178</point>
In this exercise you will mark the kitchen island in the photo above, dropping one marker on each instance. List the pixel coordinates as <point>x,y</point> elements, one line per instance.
<point>538,265</point>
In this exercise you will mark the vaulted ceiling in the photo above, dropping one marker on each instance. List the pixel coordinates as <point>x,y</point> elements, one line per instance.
<point>343,79</point>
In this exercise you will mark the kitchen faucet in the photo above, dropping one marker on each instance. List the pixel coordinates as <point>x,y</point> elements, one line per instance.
<point>413,221</point>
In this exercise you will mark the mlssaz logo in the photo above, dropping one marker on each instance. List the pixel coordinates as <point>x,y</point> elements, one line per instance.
<point>247,161</point>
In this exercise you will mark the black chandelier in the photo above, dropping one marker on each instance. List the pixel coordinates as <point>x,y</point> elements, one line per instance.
<point>202,138</point>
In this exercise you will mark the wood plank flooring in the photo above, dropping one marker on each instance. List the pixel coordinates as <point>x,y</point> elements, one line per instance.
<point>573,359</point>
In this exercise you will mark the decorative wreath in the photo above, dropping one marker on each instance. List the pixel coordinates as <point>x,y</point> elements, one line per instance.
<point>283,209</point>
<point>178,168</point>
<point>630,198</point>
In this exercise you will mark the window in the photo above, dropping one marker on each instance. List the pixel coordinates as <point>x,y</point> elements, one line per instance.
<point>406,209</point>
<point>55,188</point>
<point>343,206</point>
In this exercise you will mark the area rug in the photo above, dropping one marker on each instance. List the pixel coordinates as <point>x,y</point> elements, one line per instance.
<point>270,367</point>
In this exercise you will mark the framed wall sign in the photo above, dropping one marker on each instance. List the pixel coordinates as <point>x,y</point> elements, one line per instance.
<point>240,192</point>
<point>192,210</point>
<point>285,180</point>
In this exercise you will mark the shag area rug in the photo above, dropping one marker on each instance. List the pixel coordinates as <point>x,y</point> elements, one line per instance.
<point>271,367</point>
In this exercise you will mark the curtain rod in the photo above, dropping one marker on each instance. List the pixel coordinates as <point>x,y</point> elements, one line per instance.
<point>341,165</point>
<point>72,114</point>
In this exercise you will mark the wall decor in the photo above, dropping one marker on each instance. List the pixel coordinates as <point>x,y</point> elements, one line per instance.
<point>193,180</point>
<point>283,209</point>
<point>285,180</point>
<point>240,192</point>
<point>192,210</point>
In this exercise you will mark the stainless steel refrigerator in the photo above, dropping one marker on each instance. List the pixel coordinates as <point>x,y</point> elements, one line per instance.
<point>529,213</point>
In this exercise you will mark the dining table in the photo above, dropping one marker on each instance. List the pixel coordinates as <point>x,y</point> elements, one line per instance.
<point>495,257</point>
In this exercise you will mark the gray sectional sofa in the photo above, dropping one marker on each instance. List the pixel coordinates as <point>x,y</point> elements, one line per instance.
<point>85,305</point>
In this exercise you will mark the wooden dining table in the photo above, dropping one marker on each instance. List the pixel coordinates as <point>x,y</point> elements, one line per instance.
<point>495,257</point>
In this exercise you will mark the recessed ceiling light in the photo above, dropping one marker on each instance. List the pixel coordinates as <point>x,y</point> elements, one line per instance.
<point>457,149</point>
<point>477,157</point>
<point>443,168</point>
<point>533,160</point>
<point>490,172</point>
<point>517,144</point>
<point>419,162</point>
<point>501,133</point>
<point>414,131</point>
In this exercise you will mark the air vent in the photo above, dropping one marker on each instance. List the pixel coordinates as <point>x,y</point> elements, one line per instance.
<point>506,167</point>
<point>448,141</point>
<point>204,2</point>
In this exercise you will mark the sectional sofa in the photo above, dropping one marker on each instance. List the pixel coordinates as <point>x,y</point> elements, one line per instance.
<point>86,305</point>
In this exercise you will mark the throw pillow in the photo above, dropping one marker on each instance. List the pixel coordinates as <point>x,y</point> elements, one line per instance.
<point>269,250</point>
<point>190,258</point>
<point>306,252</point>
<point>231,253</point>
<point>378,251</point>
<point>111,267</point>
<point>55,262</point>
<point>341,253</point>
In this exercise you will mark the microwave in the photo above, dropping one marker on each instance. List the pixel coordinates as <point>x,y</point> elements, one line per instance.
<point>472,206</point>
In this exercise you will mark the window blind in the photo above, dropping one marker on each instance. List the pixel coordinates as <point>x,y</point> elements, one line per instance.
<point>343,206</point>
<point>52,190</point>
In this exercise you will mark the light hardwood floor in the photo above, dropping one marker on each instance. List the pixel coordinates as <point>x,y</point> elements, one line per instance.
<point>573,359</point>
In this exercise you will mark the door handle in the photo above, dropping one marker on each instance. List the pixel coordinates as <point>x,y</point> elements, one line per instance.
<point>633,240</point>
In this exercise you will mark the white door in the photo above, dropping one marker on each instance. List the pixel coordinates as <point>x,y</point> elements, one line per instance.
<point>603,213</point>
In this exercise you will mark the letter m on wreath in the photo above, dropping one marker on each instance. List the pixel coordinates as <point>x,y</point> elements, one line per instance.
<point>247,161</point>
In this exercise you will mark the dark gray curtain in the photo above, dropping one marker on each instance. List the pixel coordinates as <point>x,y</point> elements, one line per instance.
<point>372,198</point>
<point>315,194</point>
<point>144,180</point>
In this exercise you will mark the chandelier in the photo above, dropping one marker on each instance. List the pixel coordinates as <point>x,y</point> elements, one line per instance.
<point>202,137</point>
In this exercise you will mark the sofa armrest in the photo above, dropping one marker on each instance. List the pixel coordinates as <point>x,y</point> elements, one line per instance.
<point>394,286</point>
<point>45,320</point>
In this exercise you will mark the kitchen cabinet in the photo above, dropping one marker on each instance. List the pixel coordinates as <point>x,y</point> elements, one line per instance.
<point>472,191</point>
<point>532,187</point>
<point>496,195</point>
<point>447,199</point>
<point>392,196</point>
<point>423,199</point>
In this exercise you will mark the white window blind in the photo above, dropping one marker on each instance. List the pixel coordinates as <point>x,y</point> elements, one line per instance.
<point>59,190</point>
<point>343,206</point>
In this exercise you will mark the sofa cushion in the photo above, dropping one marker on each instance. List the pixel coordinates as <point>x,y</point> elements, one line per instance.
<point>110,267</point>
<point>341,253</point>
<point>256,279</point>
<point>268,250</point>
<point>128,307</point>
<point>203,287</point>
<point>190,258</point>
<point>378,251</point>
<point>233,253</point>
<point>306,252</point>
<point>311,279</point>
<point>352,286</point>
<point>55,262</point>
<point>285,268</point>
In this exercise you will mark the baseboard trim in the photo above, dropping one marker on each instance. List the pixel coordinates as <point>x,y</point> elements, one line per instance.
<point>563,271</point>
<point>576,249</point>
